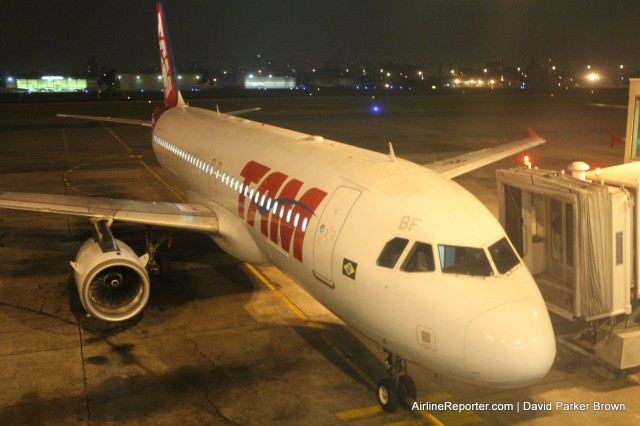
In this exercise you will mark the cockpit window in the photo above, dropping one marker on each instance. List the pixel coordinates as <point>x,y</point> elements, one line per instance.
<point>464,261</point>
<point>420,259</point>
<point>503,256</point>
<point>391,252</point>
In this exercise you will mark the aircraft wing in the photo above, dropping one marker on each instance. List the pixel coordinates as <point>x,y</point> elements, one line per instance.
<point>609,106</point>
<point>456,166</point>
<point>145,123</point>
<point>243,111</point>
<point>194,217</point>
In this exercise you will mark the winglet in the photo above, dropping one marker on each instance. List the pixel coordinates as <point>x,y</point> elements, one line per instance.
<point>171,91</point>
<point>533,134</point>
<point>615,138</point>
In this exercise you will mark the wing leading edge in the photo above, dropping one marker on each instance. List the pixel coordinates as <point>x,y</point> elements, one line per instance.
<point>194,217</point>
<point>456,166</point>
<point>145,123</point>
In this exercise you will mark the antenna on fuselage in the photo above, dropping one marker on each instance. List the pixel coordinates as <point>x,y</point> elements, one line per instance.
<point>218,110</point>
<point>392,155</point>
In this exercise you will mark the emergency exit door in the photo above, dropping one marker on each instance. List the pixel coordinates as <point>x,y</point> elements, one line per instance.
<point>329,228</point>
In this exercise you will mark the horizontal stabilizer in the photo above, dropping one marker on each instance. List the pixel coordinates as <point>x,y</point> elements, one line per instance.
<point>456,166</point>
<point>194,217</point>
<point>145,123</point>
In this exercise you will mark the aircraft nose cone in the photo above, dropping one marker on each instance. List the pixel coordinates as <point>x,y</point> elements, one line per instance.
<point>511,345</point>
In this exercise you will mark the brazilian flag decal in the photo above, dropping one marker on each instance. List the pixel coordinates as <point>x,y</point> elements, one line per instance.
<point>349,268</point>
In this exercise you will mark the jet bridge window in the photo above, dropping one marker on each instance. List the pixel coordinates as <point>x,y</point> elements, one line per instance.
<point>464,261</point>
<point>391,252</point>
<point>503,256</point>
<point>420,259</point>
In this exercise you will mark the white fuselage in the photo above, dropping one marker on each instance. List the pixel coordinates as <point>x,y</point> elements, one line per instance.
<point>323,212</point>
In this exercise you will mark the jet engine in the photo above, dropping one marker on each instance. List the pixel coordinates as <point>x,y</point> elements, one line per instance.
<point>112,281</point>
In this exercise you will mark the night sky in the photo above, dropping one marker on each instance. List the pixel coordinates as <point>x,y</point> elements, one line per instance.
<point>62,34</point>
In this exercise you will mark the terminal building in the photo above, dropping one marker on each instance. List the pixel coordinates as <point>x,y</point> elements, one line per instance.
<point>579,235</point>
<point>51,83</point>
<point>142,82</point>
<point>252,81</point>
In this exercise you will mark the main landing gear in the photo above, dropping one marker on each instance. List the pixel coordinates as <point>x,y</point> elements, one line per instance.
<point>398,387</point>
<point>158,264</point>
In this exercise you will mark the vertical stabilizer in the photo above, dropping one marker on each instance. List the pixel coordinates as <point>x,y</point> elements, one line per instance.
<point>172,96</point>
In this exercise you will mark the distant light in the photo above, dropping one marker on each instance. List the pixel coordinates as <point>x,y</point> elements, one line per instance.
<point>179,77</point>
<point>52,77</point>
<point>376,108</point>
<point>621,66</point>
<point>159,77</point>
<point>598,171</point>
<point>388,74</point>
<point>137,77</point>
<point>9,78</point>
<point>433,87</point>
<point>593,76</point>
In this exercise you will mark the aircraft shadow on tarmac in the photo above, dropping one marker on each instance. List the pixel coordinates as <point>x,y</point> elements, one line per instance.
<point>117,397</point>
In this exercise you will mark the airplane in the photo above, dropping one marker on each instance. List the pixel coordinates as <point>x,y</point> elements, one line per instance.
<point>397,250</point>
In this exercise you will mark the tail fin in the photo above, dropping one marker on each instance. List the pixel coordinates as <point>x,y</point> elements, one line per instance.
<point>172,96</point>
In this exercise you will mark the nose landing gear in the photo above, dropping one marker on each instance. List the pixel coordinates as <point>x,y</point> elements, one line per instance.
<point>398,388</point>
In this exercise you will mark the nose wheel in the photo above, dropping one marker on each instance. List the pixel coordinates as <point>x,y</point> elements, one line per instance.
<point>399,387</point>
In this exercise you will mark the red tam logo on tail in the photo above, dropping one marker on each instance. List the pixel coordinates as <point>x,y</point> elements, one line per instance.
<point>168,82</point>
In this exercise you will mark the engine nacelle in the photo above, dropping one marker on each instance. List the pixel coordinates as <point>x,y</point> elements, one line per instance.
<point>112,285</point>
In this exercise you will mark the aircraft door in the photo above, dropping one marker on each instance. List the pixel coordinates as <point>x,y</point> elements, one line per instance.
<point>329,227</point>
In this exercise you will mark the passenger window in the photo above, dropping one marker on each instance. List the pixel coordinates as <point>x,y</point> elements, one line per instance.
<point>420,259</point>
<point>391,252</point>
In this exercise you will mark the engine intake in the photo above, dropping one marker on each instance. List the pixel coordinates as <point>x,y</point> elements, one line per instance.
<point>112,285</point>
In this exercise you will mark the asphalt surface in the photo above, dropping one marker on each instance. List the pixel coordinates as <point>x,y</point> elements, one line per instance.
<point>222,343</point>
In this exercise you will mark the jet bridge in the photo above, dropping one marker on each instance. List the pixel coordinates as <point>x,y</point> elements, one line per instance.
<point>579,235</point>
<point>577,238</point>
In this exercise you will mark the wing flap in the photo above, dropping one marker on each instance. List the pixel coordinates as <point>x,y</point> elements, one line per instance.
<point>456,166</point>
<point>195,217</point>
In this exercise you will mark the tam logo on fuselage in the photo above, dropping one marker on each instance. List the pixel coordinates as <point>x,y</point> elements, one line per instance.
<point>279,226</point>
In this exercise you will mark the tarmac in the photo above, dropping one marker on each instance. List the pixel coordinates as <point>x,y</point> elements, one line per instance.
<point>221,342</point>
